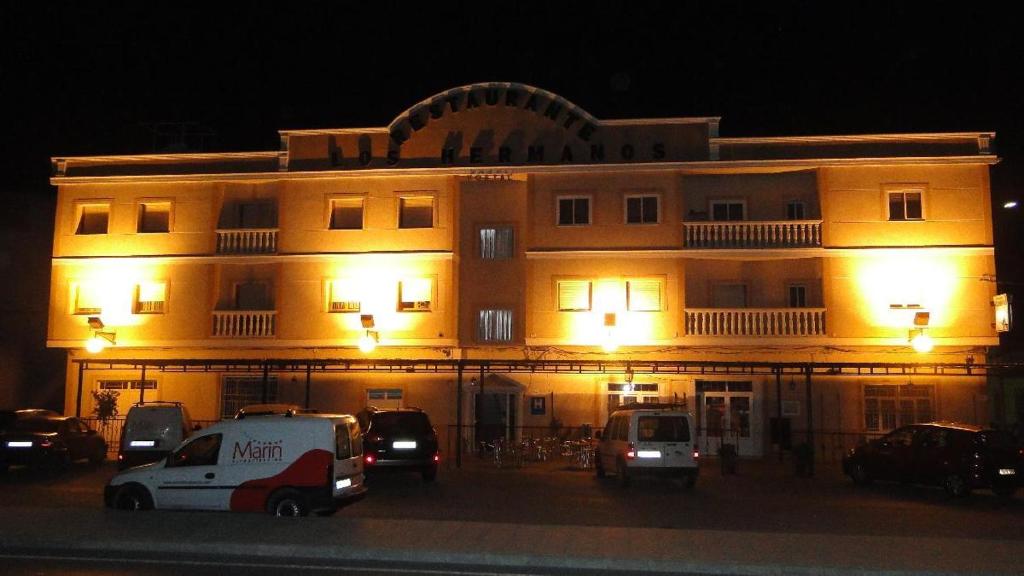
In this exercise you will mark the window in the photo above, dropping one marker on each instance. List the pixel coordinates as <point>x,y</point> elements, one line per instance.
<point>92,219</point>
<point>497,243</point>
<point>574,295</point>
<point>574,210</point>
<point>729,296</point>
<point>727,210</point>
<point>150,297</point>
<point>415,295</point>
<point>384,398</point>
<point>494,325</point>
<point>201,451</point>
<point>416,212</point>
<point>796,210</point>
<point>346,213</point>
<point>797,296</point>
<point>641,209</point>
<point>154,217</point>
<point>905,205</point>
<point>252,296</point>
<point>343,296</point>
<point>342,442</point>
<point>633,393</point>
<point>87,299</point>
<point>643,295</point>
<point>889,406</point>
<point>240,391</point>
<point>127,384</point>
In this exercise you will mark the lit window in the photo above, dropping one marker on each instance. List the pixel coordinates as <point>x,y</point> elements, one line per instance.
<point>92,219</point>
<point>154,217</point>
<point>641,210</point>
<point>497,243</point>
<point>796,210</point>
<point>643,295</point>
<point>343,296</point>
<point>574,211</point>
<point>416,212</point>
<point>905,205</point>
<point>87,299</point>
<point>891,406</point>
<point>150,297</point>
<point>727,210</point>
<point>346,213</point>
<point>415,295</point>
<point>494,326</point>
<point>574,295</point>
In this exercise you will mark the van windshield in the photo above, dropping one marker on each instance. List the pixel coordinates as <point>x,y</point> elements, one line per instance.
<point>662,429</point>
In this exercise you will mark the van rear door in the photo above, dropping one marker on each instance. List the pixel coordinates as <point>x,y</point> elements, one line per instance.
<point>348,458</point>
<point>663,440</point>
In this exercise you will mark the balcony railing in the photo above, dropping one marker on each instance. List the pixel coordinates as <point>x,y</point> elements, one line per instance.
<point>755,321</point>
<point>247,241</point>
<point>244,323</point>
<point>750,234</point>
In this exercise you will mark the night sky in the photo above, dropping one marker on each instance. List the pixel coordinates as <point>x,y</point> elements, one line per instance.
<point>99,78</point>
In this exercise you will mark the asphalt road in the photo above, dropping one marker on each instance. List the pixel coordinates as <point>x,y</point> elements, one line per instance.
<point>762,497</point>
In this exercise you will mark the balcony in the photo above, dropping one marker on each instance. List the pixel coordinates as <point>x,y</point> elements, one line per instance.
<point>244,323</point>
<point>742,234</point>
<point>247,241</point>
<point>740,322</point>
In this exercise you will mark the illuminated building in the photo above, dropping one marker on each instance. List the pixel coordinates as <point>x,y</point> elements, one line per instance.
<point>502,222</point>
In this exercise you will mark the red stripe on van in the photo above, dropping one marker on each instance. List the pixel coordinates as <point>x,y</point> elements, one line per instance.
<point>306,472</point>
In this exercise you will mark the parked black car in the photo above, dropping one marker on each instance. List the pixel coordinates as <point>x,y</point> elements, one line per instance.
<point>50,442</point>
<point>399,440</point>
<point>958,457</point>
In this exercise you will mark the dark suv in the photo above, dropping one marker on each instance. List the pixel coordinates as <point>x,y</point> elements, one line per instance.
<point>958,457</point>
<point>400,440</point>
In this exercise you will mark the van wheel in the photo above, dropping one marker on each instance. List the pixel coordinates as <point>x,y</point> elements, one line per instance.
<point>598,467</point>
<point>956,486</point>
<point>288,503</point>
<point>622,474</point>
<point>133,497</point>
<point>860,475</point>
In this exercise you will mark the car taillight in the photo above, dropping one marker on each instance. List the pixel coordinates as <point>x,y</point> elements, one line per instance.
<point>120,457</point>
<point>631,451</point>
<point>45,443</point>
<point>696,454</point>
<point>437,457</point>
<point>370,459</point>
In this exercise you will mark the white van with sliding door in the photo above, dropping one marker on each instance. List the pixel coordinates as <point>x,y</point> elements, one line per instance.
<point>287,465</point>
<point>648,439</point>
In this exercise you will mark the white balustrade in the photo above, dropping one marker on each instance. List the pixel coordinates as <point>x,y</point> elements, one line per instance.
<point>247,241</point>
<point>755,321</point>
<point>753,234</point>
<point>244,323</point>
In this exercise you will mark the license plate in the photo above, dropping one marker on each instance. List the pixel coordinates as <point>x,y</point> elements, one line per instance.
<point>142,443</point>
<point>1007,472</point>
<point>18,444</point>
<point>404,445</point>
<point>648,454</point>
<point>344,483</point>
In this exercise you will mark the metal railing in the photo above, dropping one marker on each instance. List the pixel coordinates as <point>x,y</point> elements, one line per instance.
<point>750,234</point>
<point>110,430</point>
<point>244,323</point>
<point>755,321</point>
<point>247,241</point>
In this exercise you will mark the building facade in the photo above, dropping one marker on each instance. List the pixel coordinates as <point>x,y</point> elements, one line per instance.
<point>500,222</point>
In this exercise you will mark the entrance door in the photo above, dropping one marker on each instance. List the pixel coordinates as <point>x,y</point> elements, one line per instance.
<point>727,416</point>
<point>496,415</point>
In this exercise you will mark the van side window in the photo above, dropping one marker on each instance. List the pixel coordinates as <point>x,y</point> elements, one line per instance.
<point>202,451</point>
<point>342,442</point>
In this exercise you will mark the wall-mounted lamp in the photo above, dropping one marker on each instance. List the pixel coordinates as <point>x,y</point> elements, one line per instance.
<point>610,343</point>
<point>919,338</point>
<point>100,338</point>
<point>368,342</point>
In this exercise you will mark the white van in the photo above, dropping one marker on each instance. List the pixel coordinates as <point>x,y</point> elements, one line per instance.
<point>287,465</point>
<point>648,439</point>
<point>151,430</point>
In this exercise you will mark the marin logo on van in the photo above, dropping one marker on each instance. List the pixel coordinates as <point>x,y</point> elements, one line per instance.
<point>257,451</point>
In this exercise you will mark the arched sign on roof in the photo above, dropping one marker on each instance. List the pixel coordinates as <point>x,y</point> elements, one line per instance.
<point>509,95</point>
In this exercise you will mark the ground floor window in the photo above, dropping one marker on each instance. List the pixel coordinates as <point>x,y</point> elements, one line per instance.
<point>127,384</point>
<point>630,393</point>
<point>384,398</point>
<point>239,391</point>
<point>888,406</point>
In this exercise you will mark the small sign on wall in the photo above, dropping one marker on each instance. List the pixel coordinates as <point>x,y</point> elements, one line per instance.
<point>790,407</point>
<point>538,405</point>
<point>1004,314</point>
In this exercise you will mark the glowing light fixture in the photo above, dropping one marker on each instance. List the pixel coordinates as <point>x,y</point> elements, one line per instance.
<point>100,338</point>
<point>610,343</point>
<point>921,341</point>
<point>368,342</point>
<point>1010,204</point>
